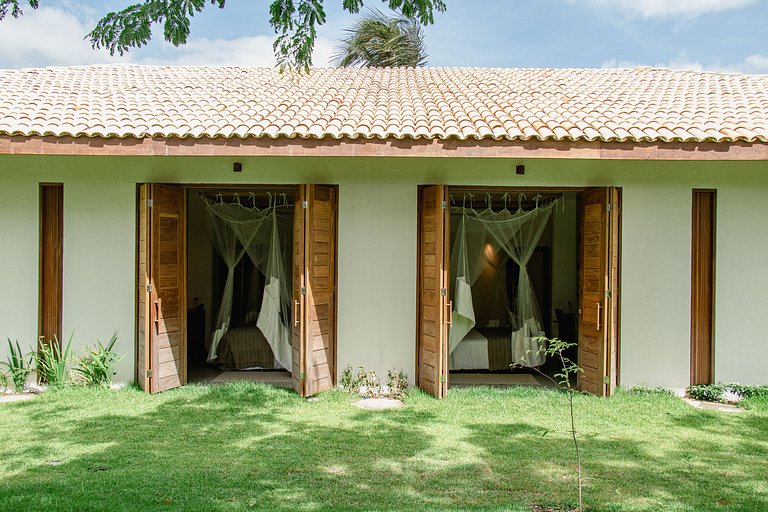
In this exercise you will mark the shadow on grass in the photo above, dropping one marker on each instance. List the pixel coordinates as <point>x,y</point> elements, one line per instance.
<point>253,447</point>
<point>230,448</point>
<point>630,474</point>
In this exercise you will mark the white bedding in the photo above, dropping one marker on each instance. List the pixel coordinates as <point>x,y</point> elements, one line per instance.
<point>471,353</point>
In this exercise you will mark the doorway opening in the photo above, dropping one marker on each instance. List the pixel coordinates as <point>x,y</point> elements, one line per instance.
<point>514,270</point>
<point>239,242</point>
<point>236,283</point>
<point>500,269</point>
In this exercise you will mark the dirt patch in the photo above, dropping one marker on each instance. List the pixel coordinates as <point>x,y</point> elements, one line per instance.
<point>713,406</point>
<point>378,404</point>
<point>16,397</point>
<point>542,508</point>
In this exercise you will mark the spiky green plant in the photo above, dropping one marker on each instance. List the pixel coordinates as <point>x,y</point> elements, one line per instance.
<point>18,366</point>
<point>52,361</point>
<point>378,40</point>
<point>97,365</point>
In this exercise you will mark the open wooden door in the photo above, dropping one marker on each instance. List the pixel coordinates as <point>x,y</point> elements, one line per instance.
<point>314,289</point>
<point>433,305</point>
<point>599,290</point>
<point>143,217</point>
<point>161,330</point>
<point>298,374</point>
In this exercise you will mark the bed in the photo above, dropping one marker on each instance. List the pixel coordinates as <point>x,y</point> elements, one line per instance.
<point>245,348</point>
<point>490,348</point>
<point>484,348</point>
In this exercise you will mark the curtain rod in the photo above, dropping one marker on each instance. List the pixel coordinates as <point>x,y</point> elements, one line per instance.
<point>276,199</point>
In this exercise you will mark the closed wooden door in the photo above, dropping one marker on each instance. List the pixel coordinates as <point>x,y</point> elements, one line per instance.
<point>161,288</point>
<point>433,305</point>
<point>703,287</point>
<point>314,289</point>
<point>51,263</point>
<point>599,291</point>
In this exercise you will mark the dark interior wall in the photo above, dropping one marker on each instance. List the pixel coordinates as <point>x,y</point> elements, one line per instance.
<point>199,259</point>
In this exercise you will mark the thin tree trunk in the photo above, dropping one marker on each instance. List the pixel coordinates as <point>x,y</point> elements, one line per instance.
<point>576,445</point>
<point>573,432</point>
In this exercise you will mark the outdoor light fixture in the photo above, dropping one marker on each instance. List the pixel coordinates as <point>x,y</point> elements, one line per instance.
<point>520,169</point>
<point>237,167</point>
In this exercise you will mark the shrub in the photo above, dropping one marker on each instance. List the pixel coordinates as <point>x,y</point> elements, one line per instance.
<point>345,382</point>
<point>52,362</point>
<point>18,366</point>
<point>97,364</point>
<point>706,392</point>
<point>368,383</point>
<point>725,393</point>
<point>641,390</point>
<point>397,383</point>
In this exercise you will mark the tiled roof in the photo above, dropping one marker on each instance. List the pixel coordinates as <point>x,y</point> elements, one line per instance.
<point>636,105</point>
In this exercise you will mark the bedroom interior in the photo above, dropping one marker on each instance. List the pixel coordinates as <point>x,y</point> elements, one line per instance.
<point>239,275</point>
<point>513,276</point>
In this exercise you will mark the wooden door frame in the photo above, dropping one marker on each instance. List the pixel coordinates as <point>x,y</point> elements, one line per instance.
<point>523,189</point>
<point>186,187</point>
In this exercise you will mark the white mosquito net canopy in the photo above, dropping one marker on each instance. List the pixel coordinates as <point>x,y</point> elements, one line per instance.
<point>516,234</point>
<point>237,230</point>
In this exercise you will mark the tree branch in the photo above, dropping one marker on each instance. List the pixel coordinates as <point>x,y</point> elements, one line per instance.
<point>295,23</point>
<point>14,7</point>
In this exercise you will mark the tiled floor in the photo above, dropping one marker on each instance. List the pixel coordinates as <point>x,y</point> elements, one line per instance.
<point>210,375</point>
<point>466,379</point>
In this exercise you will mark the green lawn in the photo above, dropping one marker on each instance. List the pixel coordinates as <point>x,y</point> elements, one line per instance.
<point>251,447</point>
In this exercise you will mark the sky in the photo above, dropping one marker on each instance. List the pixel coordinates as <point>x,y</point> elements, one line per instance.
<point>709,35</point>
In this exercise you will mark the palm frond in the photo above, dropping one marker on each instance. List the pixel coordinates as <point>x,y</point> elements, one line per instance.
<point>378,40</point>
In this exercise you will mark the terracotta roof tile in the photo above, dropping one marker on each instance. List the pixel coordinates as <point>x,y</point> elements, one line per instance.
<point>634,105</point>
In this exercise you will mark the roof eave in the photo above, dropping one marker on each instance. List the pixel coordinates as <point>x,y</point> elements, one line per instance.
<point>413,148</point>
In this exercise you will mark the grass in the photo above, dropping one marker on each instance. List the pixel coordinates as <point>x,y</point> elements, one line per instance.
<point>245,446</point>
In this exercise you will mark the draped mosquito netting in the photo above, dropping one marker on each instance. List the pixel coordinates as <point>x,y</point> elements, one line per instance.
<point>262,234</point>
<point>513,234</point>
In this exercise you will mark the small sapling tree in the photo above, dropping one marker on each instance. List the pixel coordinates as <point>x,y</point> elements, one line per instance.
<point>567,370</point>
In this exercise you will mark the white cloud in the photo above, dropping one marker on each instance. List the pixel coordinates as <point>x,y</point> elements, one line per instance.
<point>242,51</point>
<point>54,36</point>
<point>686,9</point>
<point>752,64</point>
<point>47,37</point>
<point>757,62</point>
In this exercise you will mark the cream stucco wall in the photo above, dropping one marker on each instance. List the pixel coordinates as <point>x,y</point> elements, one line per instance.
<point>377,249</point>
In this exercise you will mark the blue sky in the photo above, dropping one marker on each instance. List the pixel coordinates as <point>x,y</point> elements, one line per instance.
<point>721,35</point>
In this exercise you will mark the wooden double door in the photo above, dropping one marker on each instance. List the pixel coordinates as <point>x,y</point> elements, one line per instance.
<point>161,288</point>
<point>598,324</point>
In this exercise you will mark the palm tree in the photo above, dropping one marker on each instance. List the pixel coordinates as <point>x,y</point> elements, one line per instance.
<point>378,40</point>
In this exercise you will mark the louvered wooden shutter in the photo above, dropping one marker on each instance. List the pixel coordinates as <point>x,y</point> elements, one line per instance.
<point>599,290</point>
<point>433,265</point>
<point>143,229</point>
<point>314,289</point>
<point>168,288</point>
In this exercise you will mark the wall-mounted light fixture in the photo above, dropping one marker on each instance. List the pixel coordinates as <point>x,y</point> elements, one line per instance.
<point>237,167</point>
<point>520,169</point>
